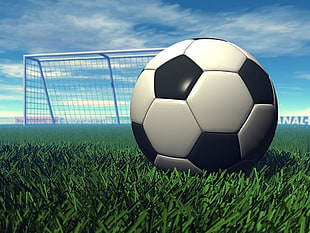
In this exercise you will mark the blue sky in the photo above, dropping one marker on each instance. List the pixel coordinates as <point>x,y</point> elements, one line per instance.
<point>277,34</point>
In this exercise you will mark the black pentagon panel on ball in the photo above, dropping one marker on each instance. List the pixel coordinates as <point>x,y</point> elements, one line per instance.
<point>262,149</point>
<point>208,38</point>
<point>143,141</point>
<point>257,82</point>
<point>214,151</point>
<point>176,78</point>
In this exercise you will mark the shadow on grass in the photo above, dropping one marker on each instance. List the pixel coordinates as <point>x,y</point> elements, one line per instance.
<point>273,161</point>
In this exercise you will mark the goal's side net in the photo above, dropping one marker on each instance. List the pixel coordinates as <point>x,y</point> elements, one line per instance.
<point>81,88</point>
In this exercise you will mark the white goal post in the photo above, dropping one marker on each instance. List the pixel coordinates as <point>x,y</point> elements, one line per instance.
<point>81,87</point>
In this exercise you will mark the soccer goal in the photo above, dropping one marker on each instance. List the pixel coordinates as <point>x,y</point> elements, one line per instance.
<point>82,88</point>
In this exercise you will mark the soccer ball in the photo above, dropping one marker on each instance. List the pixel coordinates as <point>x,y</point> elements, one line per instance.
<point>204,104</point>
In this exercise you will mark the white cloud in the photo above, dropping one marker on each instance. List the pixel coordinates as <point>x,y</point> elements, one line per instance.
<point>10,92</point>
<point>10,113</point>
<point>290,90</point>
<point>302,112</point>
<point>303,75</point>
<point>11,88</point>
<point>12,70</point>
<point>92,103</point>
<point>61,26</point>
<point>107,24</point>
<point>10,97</point>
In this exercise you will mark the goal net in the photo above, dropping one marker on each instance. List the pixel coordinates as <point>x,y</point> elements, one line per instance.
<point>81,88</point>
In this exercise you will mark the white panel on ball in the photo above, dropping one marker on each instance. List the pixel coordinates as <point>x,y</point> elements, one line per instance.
<point>171,127</point>
<point>220,102</point>
<point>212,54</point>
<point>256,127</point>
<point>142,96</point>
<point>168,54</point>
<point>166,162</point>
<point>246,53</point>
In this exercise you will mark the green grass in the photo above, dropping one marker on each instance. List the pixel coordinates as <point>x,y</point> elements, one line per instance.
<point>94,179</point>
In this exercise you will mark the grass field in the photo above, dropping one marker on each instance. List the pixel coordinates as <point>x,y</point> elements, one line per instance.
<point>94,179</point>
